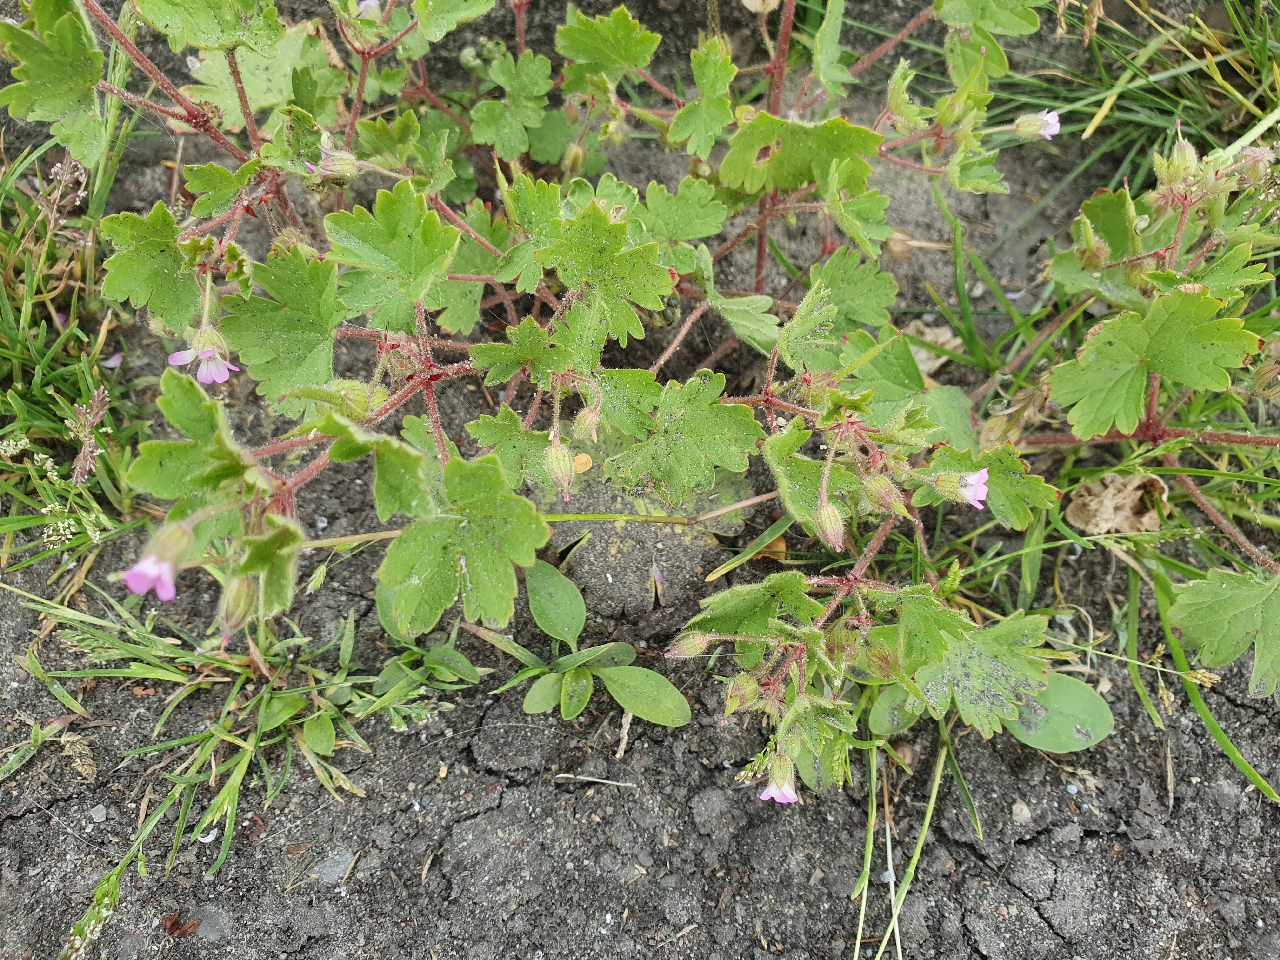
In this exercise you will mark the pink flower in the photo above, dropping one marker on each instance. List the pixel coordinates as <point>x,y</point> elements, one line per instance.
<point>151,572</point>
<point>783,793</point>
<point>973,488</point>
<point>159,563</point>
<point>1049,124</point>
<point>112,361</point>
<point>213,367</point>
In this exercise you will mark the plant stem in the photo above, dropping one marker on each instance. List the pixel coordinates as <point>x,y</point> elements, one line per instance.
<point>1225,525</point>
<point>910,873</point>
<point>136,101</point>
<point>195,117</point>
<point>250,126</point>
<point>697,312</point>
<point>669,94</point>
<point>357,99</point>
<point>874,546</point>
<point>462,225</point>
<point>778,69</point>
<point>914,24</point>
<point>864,881</point>
<point>350,539</point>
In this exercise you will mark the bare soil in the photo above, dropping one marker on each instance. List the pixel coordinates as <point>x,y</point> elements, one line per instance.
<point>491,834</point>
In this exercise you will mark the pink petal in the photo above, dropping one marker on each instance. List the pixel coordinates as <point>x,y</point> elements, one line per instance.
<point>142,575</point>
<point>770,792</point>
<point>166,589</point>
<point>181,358</point>
<point>112,361</point>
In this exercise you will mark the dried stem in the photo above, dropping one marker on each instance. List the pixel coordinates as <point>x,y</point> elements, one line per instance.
<point>1225,525</point>
<point>914,24</point>
<point>697,312</point>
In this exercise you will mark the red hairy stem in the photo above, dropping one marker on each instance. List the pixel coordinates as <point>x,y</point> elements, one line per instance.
<point>283,446</point>
<point>774,402</point>
<point>874,546</point>
<point>740,505</point>
<point>423,91</point>
<point>384,47</point>
<point>669,94</point>
<point>308,473</point>
<point>1046,334</point>
<point>395,402</point>
<point>358,98</point>
<point>462,225</point>
<point>778,68</point>
<point>546,296</point>
<point>250,126</point>
<point>920,542</point>
<point>844,586</point>
<point>136,101</point>
<point>774,211</point>
<point>232,229</point>
<point>442,447</point>
<point>195,117</point>
<point>910,164</point>
<point>1171,252</point>
<point>519,7</point>
<point>914,24</point>
<point>214,223</point>
<point>533,409</point>
<point>1225,525</point>
<point>719,353</point>
<point>472,278</point>
<point>697,312</point>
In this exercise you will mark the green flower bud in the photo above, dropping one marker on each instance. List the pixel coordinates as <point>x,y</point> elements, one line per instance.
<point>742,692</point>
<point>574,157</point>
<point>829,526</point>
<point>691,643</point>
<point>559,463</point>
<point>237,605</point>
<point>1184,161</point>
<point>585,423</point>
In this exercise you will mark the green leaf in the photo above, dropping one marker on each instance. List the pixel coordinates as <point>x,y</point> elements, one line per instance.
<point>148,266</point>
<point>544,695</point>
<point>1014,18</point>
<point>627,399</point>
<point>799,478</point>
<point>650,696</point>
<point>219,185</point>
<point>521,452</point>
<point>1226,613</point>
<point>1178,338</point>
<point>751,320</point>
<point>436,18</point>
<point>215,26</point>
<point>556,603</point>
<point>974,171</point>
<point>1012,491</point>
<point>924,624</point>
<point>888,716</point>
<point>672,220</point>
<point>399,239</point>
<point>273,554</point>
<point>471,549</point>
<point>1068,715</point>
<point>987,673</point>
<point>575,691</point>
<point>535,209</point>
<point>701,121</point>
<point>693,433</point>
<point>389,146</point>
<point>811,326</point>
<point>319,734</point>
<point>590,254</point>
<point>861,216</point>
<point>529,345</point>
<point>750,610</point>
<point>951,409</point>
<point>269,80</point>
<point>286,341</point>
<point>504,123</point>
<point>404,478</point>
<point>609,45</point>
<point>798,153</point>
<point>1223,279</point>
<point>58,68</point>
<point>860,291</point>
<point>280,708</point>
<point>459,300</point>
<point>826,51</point>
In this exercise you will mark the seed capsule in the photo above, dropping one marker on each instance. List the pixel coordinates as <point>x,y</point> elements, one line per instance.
<point>559,462</point>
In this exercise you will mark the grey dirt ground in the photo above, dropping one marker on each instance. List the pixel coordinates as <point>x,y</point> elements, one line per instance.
<point>489,834</point>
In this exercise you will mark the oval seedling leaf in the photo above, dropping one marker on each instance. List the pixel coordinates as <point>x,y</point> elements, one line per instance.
<point>1068,715</point>
<point>543,695</point>
<point>650,696</point>
<point>318,732</point>
<point>575,691</point>
<point>556,603</point>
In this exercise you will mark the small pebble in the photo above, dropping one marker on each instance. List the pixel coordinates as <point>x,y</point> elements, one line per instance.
<point>321,522</point>
<point>1072,789</point>
<point>98,814</point>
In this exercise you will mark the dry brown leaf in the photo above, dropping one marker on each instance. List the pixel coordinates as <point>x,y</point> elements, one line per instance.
<point>944,337</point>
<point>776,550</point>
<point>77,748</point>
<point>582,463</point>
<point>1118,504</point>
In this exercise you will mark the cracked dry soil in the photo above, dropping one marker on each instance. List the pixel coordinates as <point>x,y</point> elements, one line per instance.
<point>490,834</point>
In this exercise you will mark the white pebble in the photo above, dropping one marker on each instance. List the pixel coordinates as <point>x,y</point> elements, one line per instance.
<point>321,522</point>
<point>1072,789</point>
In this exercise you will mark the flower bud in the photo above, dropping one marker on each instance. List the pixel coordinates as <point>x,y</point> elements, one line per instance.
<point>829,526</point>
<point>880,492</point>
<point>1183,162</point>
<point>572,112</point>
<point>559,463</point>
<point>691,643</point>
<point>574,157</point>
<point>585,423</point>
<point>616,131</point>
<point>761,6</point>
<point>1043,124</point>
<point>1256,161</point>
<point>170,544</point>
<point>237,604</point>
<point>337,166</point>
<point>742,692</point>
